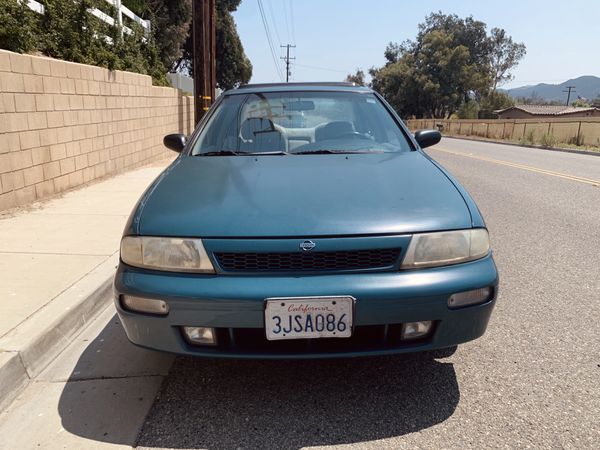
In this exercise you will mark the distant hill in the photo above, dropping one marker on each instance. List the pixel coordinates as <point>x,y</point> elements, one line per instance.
<point>587,86</point>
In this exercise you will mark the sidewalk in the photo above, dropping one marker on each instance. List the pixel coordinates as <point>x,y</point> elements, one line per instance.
<point>57,259</point>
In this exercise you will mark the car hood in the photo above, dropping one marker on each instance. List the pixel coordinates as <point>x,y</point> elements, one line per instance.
<point>300,196</point>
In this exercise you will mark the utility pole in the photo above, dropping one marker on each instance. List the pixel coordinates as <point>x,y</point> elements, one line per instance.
<point>287,61</point>
<point>570,88</point>
<point>204,59</point>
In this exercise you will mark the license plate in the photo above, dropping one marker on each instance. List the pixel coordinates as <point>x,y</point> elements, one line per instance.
<point>308,317</point>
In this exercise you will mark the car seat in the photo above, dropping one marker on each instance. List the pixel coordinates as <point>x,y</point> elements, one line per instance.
<point>258,134</point>
<point>333,130</point>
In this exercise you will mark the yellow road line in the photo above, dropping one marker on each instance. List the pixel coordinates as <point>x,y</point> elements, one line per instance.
<point>523,167</point>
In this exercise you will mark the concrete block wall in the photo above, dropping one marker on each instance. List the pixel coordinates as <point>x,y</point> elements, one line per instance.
<point>64,124</point>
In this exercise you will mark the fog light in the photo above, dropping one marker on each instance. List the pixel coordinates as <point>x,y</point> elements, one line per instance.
<point>470,297</point>
<point>415,330</point>
<point>200,335</point>
<point>145,305</point>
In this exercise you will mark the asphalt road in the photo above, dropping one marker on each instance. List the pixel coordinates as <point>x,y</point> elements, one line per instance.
<point>531,381</point>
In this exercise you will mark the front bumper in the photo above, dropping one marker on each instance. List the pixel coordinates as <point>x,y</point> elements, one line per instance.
<point>235,306</point>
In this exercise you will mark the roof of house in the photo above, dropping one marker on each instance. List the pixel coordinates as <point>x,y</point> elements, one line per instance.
<point>548,110</point>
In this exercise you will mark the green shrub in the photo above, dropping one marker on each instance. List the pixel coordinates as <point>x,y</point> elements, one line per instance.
<point>17,26</point>
<point>576,140</point>
<point>468,110</point>
<point>69,32</point>
<point>548,140</point>
<point>529,138</point>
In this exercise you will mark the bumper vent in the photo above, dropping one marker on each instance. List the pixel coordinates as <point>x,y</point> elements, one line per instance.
<point>309,261</point>
<point>252,341</point>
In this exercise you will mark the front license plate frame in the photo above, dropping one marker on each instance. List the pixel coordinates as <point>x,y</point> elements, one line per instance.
<point>287,329</point>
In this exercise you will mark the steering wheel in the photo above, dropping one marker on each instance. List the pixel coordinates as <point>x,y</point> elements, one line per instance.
<point>355,135</point>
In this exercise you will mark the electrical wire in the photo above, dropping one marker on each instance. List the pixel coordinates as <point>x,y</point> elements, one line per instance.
<point>292,21</point>
<point>274,21</point>
<point>322,68</point>
<point>269,40</point>
<point>285,15</point>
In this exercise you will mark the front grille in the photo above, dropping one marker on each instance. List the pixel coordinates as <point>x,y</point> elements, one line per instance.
<point>309,261</point>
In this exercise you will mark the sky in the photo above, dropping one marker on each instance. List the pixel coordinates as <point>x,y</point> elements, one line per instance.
<point>335,37</point>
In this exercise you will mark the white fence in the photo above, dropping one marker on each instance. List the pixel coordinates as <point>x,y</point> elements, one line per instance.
<point>122,11</point>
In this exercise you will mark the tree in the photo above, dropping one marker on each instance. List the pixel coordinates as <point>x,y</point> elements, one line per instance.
<point>397,82</point>
<point>393,52</point>
<point>357,78</point>
<point>468,32</point>
<point>171,22</point>
<point>67,31</point>
<point>449,64</point>
<point>468,110</point>
<point>536,99</point>
<point>17,30</point>
<point>430,77</point>
<point>136,6</point>
<point>233,66</point>
<point>496,100</point>
<point>581,103</point>
<point>505,54</point>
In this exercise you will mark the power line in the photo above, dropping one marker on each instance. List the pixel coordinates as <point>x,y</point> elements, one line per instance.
<point>264,21</point>
<point>285,15</point>
<point>287,61</point>
<point>322,68</point>
<point>274,21</point>
<point>269,39</point>
<point>292,21</point>
<point>569,89</point>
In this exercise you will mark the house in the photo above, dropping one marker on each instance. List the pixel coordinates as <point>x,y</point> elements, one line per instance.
<point>543,111</point>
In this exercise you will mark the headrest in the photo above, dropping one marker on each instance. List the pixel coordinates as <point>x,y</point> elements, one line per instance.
<point>253,125</point>
<point>333,130</point>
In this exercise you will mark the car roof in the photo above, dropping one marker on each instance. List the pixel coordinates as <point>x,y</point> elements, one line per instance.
<point>295,87</point>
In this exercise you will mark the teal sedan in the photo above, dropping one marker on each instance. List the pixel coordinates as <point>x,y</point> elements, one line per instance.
<point>304,221</point>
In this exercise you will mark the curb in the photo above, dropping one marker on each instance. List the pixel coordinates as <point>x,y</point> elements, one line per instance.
<point>514,144</point>
<point>14,378</point>
<point>27,349</point>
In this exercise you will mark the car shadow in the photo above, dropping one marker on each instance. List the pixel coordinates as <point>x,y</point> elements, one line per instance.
<point>295,404</point>
<point>111,386</point>
<point>211,403</point>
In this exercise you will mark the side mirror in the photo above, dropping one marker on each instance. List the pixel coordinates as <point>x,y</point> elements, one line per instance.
<point>427,138</point>
<point>175,142</point>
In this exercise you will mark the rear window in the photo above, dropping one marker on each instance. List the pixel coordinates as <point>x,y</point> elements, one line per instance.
<point>301,122</point>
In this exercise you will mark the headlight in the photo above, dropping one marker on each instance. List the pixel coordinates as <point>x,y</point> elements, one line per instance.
<point>163,253</point>
<point>446,247</point>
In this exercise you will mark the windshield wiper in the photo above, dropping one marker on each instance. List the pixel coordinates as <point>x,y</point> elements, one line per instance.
<point>277,152</point>
<point>325,151</point>
<point>234,153</point>
<point>219,153</point>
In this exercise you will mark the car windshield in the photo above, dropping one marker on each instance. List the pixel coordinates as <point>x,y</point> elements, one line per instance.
<point>277,123</point>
